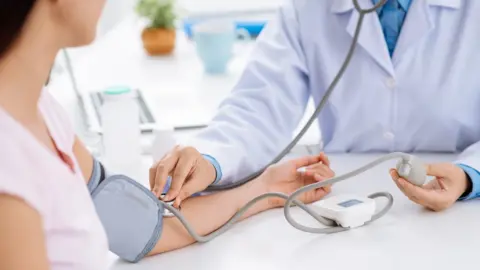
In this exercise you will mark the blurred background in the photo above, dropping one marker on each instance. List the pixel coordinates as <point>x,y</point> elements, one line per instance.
<point>116,10</point>
<point>181,58</point>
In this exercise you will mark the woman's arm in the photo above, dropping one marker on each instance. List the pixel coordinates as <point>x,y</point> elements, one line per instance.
<point>84,158</point>
<point>208,213</point>
<point>22,244</point>
<point>205,213</point>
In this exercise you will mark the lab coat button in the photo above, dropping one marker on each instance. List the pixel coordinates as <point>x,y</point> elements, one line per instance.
<point>391,83</point>
<point>389,135</point>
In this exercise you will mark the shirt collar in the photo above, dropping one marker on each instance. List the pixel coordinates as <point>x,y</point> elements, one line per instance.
<point>405,4</point>
<point>341,6</point>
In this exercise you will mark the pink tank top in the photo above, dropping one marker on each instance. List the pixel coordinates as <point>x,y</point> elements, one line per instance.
<point>75,238</point>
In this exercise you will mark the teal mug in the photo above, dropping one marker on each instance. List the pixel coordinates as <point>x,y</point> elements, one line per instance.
<point>215,44</point>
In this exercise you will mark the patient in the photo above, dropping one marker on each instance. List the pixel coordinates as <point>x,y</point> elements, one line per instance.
<point>48,220</point>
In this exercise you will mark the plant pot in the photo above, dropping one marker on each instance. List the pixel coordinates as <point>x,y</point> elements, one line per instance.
<point>159,41</point>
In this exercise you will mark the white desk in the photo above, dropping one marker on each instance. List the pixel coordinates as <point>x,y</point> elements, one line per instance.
<point>406,238</point>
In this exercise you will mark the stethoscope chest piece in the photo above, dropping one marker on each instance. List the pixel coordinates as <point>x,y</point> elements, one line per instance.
<point>167,213</point>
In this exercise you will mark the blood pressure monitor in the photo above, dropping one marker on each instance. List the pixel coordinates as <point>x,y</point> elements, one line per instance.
<point>348,211</point>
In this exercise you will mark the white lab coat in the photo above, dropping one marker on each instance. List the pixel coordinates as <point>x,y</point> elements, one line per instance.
<point>425,98</point>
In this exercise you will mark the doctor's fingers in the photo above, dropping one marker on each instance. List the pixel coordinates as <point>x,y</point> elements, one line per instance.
<point>191,187</point>
<point>441,170</point>
<point>436,184</point>
<point>432,199</point>
<point>183,169</point>
<point>160,171</point>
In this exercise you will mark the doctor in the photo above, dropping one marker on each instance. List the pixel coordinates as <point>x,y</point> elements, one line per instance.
<point>412,86</point>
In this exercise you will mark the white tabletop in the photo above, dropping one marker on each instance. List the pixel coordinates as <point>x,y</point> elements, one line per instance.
<point>408,237</point>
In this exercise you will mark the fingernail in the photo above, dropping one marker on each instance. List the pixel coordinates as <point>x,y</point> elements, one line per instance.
<point>176,203</point>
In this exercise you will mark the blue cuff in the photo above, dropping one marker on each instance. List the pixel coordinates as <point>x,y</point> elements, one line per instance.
<point>475,180</point>
<point>215,164</point>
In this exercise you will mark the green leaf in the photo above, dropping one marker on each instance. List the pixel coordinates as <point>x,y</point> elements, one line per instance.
<point>160,13</point>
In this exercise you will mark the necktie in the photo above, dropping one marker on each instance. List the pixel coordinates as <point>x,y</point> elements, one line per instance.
<point>391,18</point>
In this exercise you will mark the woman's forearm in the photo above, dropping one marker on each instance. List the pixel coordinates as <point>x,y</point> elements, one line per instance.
<point>208,213</point>
<point>205,213</point>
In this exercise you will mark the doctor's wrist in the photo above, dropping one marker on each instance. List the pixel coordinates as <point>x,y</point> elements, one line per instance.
<point>215,169</point>
<point>468,188</point>
<point>468,173</point>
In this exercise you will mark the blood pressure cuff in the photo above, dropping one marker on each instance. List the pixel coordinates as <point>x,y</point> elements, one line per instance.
<point>131,216</point>
<point>98,175</point>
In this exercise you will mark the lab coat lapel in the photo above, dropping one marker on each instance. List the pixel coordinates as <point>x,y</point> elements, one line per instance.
<point>417,25</point>
<point>371,37</point>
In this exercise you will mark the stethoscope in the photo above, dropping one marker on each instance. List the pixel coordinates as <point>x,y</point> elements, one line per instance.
<point>409,167</point>
<point>319,107</point>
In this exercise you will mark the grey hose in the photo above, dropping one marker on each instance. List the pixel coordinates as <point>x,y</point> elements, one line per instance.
<point>335,180</point>
<point>320,106</point>
<point>333,228</point>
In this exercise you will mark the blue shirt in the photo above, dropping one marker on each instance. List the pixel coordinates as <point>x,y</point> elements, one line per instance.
<point>392,16</point>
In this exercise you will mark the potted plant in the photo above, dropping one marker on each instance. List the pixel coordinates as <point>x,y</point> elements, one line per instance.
<point>159,36</point>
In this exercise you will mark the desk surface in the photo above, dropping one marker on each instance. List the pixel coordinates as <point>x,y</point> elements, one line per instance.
<point>408,237</point>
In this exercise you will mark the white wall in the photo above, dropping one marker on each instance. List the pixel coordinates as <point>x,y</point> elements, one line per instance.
<point>227,5</point>
<point>114,12</point>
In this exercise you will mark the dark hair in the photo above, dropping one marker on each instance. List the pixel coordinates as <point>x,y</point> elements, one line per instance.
<point>13,14</point>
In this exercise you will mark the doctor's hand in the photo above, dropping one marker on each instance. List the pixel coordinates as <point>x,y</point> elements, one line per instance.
<point>286,178</point>
<point>190,172</point>
<point>450,183</point>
